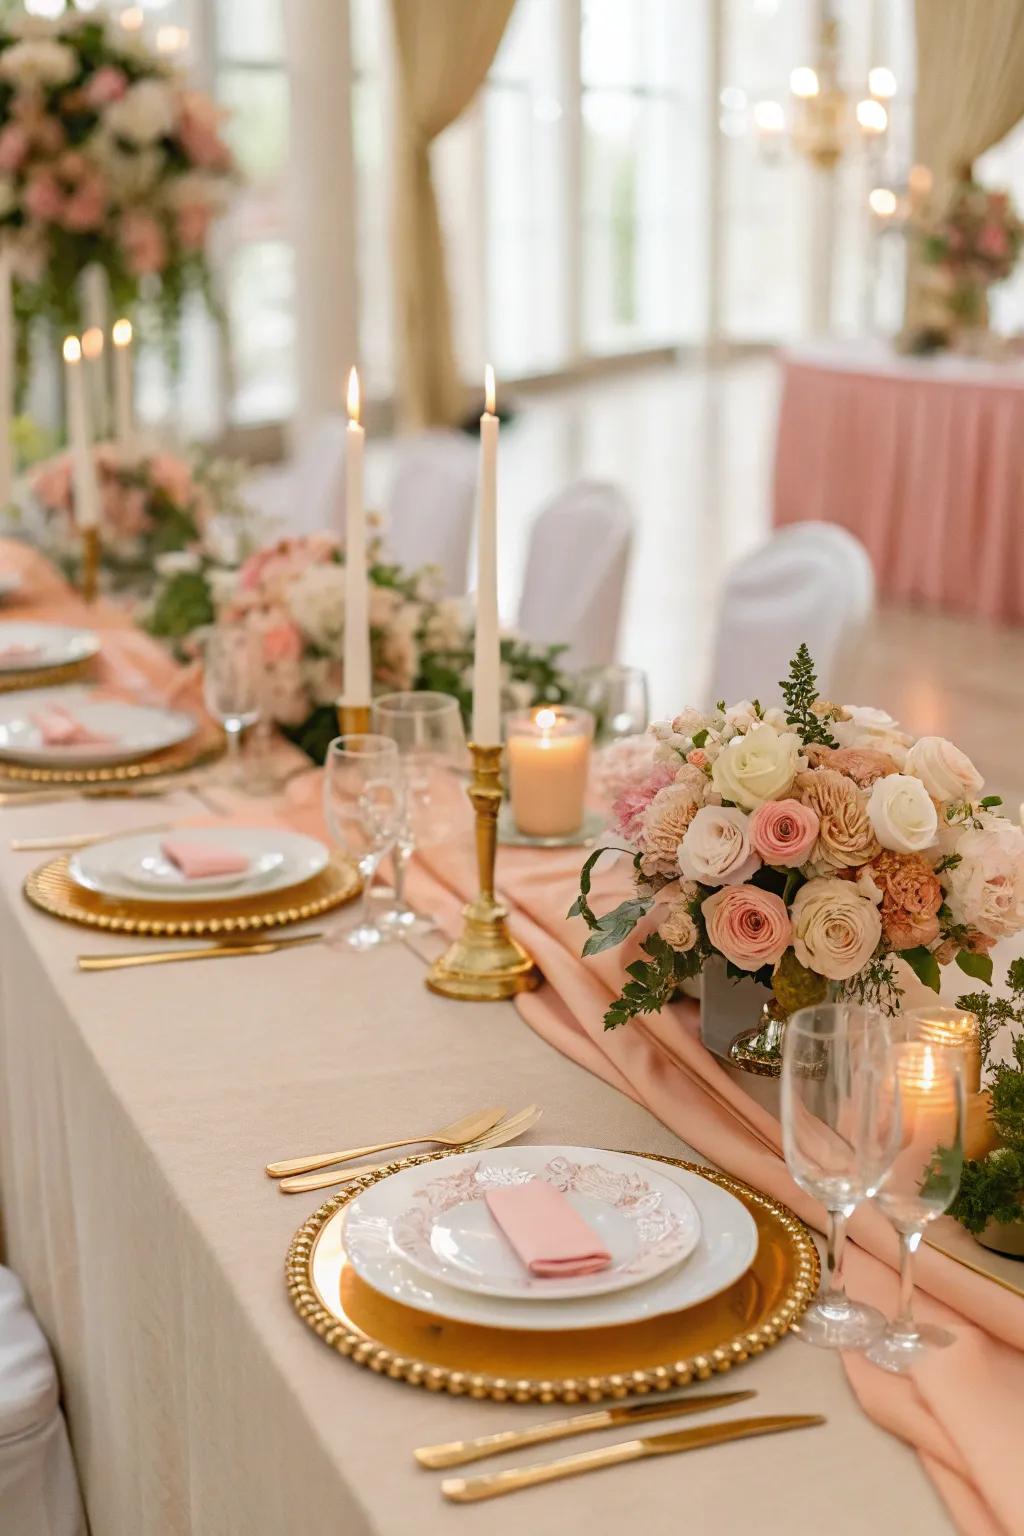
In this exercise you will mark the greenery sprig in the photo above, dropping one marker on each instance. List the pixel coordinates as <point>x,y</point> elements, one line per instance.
<point>992,1187</point>
<point>800,692</point>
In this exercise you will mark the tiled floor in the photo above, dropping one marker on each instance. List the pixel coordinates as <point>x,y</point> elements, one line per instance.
<point>692,448</point>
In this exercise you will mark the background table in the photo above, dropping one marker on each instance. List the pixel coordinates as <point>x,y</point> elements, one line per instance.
<point>921,458</point>
<point>137,1111</point>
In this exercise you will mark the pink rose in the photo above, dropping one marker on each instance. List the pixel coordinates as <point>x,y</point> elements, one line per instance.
<point>993,242</point>
<point>747,925</point>
<point>85,208</point>
<point>108,84</point>
<point>783,832</point>
<point>143,242</point>
<point>13,146</point>
<point>629,808</point>
<point>193,225</point>
<point>43,197</point>
<point>52,483</point>
<point>198,130</point>
<point>282,643</point>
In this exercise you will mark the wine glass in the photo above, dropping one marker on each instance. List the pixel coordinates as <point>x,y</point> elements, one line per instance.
<point>617,698</point>
<point>924,1176</point>
<point>428,732</point>
<point>840,1133</point>
<point>363,808</point>
<point>232,684</point>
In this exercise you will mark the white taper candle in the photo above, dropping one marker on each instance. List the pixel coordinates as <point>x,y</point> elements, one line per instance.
<point>487,650</point>
<point>357,684</point>
<point>124,416</point>
<point>87,504</point>
<point>6,381</point>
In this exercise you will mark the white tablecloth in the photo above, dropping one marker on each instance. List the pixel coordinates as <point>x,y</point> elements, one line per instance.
<point>138,1110</point>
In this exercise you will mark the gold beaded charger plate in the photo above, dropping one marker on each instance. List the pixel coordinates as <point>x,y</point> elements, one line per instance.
<point>52,890</point>
<point>45,677</point>
<point>195,752</point>
<point>672,1350</point>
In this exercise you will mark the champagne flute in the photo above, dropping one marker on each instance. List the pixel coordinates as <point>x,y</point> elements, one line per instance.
<point>232,684</point>
<point>840,1133</point>
<point>923,1179</point>
<point>363,810</point>
<point>428,732</point>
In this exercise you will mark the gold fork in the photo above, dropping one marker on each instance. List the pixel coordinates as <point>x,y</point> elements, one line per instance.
<point>468,1128</point>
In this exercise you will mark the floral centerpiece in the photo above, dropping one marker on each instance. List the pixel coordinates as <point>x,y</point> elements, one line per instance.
<point>293,593</point>
<point>973,243</point>
<point>153,502</point>
<point>809,848</point>
<point>106,157</point>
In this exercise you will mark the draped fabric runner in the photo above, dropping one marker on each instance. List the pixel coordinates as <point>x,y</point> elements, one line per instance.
<point>962,1408</point>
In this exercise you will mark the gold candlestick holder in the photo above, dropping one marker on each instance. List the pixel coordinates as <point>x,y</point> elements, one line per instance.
<point>485,963</point>
<point>353,719</point>
<point>90,563</point>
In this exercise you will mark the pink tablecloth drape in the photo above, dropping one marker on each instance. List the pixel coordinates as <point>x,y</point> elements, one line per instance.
<point>925,467</point>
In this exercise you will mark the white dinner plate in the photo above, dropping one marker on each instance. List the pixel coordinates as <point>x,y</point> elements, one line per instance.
<point>10,583</point>
<point>45,645</point>
<point>132,865</point>
<point>136,730</point>
<point>647,1224</point>
<point>724,1251</point>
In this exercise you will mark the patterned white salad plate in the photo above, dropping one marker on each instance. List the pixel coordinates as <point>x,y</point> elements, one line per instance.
<point>134,866</point>
<point>42,646</point>
<point>417,1238</point>
<point>647,1223</point>
<point>136,730</point>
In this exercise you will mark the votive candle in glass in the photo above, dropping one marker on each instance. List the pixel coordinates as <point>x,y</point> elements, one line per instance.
<point>548,765</point>
<point>955,1028</point>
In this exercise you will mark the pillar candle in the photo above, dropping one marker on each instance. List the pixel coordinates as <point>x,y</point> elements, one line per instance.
<point>6,381</point>
<point>124,416</point>
<point>548,764</point>
<point>357,692</point>
<point>487,650</point>
<point>87,506</point>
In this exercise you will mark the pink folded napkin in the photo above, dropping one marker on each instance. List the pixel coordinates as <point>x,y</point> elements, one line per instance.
<point>197,861</point>
<point>58,727</point>
<point>547,1233</point>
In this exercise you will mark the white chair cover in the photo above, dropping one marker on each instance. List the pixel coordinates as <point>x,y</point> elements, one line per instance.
<point>576,573</point>
<point>430,511</point>
<point>307,496</point>
<point>810,582</point>
<point>38,1487</point>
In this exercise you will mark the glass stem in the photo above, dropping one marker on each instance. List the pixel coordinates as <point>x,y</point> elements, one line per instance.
<point>835,1286</point>
<point>368,869</point>
<point>233,732</point>
<point>903,1323</point>
<point>402,855</point>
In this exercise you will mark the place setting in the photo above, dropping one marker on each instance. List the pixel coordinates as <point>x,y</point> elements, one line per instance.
<point>34,654</point>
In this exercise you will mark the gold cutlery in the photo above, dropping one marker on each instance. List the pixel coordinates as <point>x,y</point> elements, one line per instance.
<point>467,1490</point>
<point>468,1128</point>
<point>458,1452</point>
<point>504,1132</point>
<point>82,839</point>
<point>207,952</point>
<point>131,789</point>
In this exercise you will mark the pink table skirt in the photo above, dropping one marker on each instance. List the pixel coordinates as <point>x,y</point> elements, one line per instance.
<point>927,472</point>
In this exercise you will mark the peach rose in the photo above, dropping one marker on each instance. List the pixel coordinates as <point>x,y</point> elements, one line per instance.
<point>677,927</point>
<point>747,925</point>
<point>861,764</point>
<point>945,771</point>
<point>664,823</point>
<point>835,929</point>
<point>783,832</point>
<point>845,835</point>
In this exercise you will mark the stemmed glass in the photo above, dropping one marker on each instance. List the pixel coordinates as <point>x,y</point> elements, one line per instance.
<point>923,1179</point>
<point>840,1133</point>
<point>363,808</point>
<point>428,733</point>
<point>617,698</point>
<point>232,684</point>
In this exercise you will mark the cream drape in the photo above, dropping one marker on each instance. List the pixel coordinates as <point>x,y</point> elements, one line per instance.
<point>443,50</point>
<point>970,87</point>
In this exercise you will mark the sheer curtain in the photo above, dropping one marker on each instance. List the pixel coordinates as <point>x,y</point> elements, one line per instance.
<point>443,52</point>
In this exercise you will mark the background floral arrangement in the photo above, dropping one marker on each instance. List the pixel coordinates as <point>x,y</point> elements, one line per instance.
<point>293,593</point>
<point>975,242</point>
<point>992,1187</point>
<point>152,503</point>
<point>808,847</point>
<point>106,157</point>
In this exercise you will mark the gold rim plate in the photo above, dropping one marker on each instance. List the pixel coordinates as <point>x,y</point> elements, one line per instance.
<point>196,751</point>
<point>46,677</point>
<point>467,1360</point>
<point>52,890</point>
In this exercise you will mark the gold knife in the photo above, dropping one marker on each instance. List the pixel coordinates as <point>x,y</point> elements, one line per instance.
<point>207,952</point>
<point>467,1490</point>
<point>458,1452</point>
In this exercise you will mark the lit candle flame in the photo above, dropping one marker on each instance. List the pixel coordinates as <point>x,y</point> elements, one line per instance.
<point>92,343</point>
<point>122,333</point>
<point>72,349</point>
<point>489,394</point>
<point>546,719</point>
<point>132,18</point>
<point>171,39</point>
<point>352,397</point>
<point>803,82</point>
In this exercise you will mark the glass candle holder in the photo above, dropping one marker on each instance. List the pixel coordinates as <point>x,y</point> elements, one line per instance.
<point>956,1029</point>
<point>548,766</point>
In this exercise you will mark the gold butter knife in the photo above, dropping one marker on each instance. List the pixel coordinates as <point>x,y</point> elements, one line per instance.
<point>83,839</point>
<point>458,1452</point>
<point>467,1490</point>
<point>207,952</point>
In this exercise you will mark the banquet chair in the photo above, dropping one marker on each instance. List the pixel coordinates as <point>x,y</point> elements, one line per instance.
<point>39,1493</point>
<point>308,495</point>
<point>809,582</point>
<point>576,570</point>
<point>430,508</point>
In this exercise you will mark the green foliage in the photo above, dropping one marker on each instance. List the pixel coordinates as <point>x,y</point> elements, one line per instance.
<point>875,986</point>
<point>183,604</point>
<point>991,1189</point>
<point>614,926</point>
<point>924,965</point>
<point>800,692</point>
<point>533,669</point>
<point>978,966</point>
<point>316,732</point>
<point>652,981</point>
<point>943,1173</point>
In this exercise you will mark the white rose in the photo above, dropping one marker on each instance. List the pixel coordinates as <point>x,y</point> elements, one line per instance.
<point>716,848</point>
<point>901,813</point>
<point>688,723</point>
<point>38,61</point>
<point>756,767</point>
<point>835,929</point>
<point>986,888</point>
<point>741,716</point>
<point>945,771</point>
<point>144,113</point>
<point>873,728</point>
<point>776,718</point>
